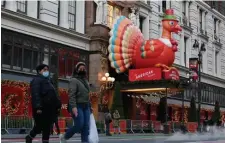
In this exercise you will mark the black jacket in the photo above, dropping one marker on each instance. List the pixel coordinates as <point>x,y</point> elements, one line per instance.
<point>44,94</point>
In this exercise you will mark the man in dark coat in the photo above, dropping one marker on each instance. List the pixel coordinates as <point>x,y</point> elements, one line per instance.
<point>45,104</point>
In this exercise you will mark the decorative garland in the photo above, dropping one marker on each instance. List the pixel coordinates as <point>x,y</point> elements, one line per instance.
<point>9,103</point>
<point>10,106</point>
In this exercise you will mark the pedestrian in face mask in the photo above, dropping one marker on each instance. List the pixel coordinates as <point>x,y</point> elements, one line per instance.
<point>79,104</point>
<point>45,104</point>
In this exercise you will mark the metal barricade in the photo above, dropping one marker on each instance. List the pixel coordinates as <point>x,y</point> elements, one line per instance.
<point>4,125</point>
<point>19,123</point>
<point>136,126</point>
<point>100,126</point>
<point>129,126</point>
<point>147,126</point>
<point>157,126</point>
<point>12,124</point>
<point>176,126</point>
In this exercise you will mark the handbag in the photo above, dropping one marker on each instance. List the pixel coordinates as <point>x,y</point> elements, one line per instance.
<point>93,133</point>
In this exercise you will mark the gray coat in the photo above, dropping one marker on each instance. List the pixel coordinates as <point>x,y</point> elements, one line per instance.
<point>78,91</point>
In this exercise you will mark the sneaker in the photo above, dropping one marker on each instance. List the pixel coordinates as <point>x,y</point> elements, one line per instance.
<point>62,138</point>
<point>28,139</point>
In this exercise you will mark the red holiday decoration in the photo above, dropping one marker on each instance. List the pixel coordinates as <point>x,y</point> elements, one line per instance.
<point>127,47</point>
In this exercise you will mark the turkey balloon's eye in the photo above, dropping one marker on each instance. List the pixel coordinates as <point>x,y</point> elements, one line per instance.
<point>171,23</point>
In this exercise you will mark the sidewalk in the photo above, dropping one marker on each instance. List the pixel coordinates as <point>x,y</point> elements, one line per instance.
<point>22,136</point>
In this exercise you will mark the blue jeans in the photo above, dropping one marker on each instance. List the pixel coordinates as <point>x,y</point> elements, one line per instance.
<point>81,123</point>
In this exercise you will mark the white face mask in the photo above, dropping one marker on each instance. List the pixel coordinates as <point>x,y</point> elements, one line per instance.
<point>45,74</point>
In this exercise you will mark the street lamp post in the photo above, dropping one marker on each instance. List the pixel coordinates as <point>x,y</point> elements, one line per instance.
<point>107,83</point>
<point>200,51</point>
<point>184,83</point>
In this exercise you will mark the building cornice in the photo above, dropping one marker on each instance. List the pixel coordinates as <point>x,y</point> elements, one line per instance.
<point>207,76</point>
<point>28,74</point>
<point>144,5</point>
<point>204,5</point>
<point>187,28</point>
<point>24,18</point>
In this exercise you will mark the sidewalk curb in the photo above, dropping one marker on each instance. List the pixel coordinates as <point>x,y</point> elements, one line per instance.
<point>17,136</point>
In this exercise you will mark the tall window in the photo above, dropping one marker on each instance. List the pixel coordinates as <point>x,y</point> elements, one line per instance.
<point>184,7</point>
<point>164,6</point>
<point>3,3</point>
<point>200,20</point>
<point>23,53</point>
<point>112,13</point>
<point>215,29</point>
<point>185,51</point>
<point>21,6</point>
<point>72,14</point>
<point>216,60</point>
<point>141,23</point>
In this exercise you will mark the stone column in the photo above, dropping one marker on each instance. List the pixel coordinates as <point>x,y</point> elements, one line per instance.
<point>182,44</point>
<point>146,27</point>
<point>32,9</point>
<point>204,61</point>
<point>198,11</point>
<point>80,22</point>
<point>214,61</point>
<point>203,21</point>
<point>187,11</point>
<point>219,64</point>
<point>168,4</point>
<point>11,5</point>
<point>64,13</point>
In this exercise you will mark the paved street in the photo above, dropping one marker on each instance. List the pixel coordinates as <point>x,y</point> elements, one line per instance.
<point>131,139</point>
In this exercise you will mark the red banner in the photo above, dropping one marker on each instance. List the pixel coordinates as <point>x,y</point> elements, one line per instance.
<point>171,74</point>
<point>145,74</point>
<point>193,66</point>
<point>64,99</point>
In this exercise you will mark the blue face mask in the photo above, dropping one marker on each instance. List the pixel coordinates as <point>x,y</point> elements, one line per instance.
<point>45,74</point>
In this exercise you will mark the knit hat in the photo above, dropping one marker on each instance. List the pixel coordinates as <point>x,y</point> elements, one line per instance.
<point>40,67</point>
<point>169,15</point>
<point>80,64</point>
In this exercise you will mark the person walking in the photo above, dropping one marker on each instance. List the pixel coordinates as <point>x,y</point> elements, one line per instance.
<point>116,122</point>
<point>45,104</point>
<point>79,104</point>
<point>108,120</point>
<point>56,125</point>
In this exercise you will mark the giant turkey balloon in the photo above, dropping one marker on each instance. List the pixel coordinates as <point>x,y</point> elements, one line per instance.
<point>127,45</point>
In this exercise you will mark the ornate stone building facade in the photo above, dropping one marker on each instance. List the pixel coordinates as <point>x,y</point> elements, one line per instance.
<point>199,21</point>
